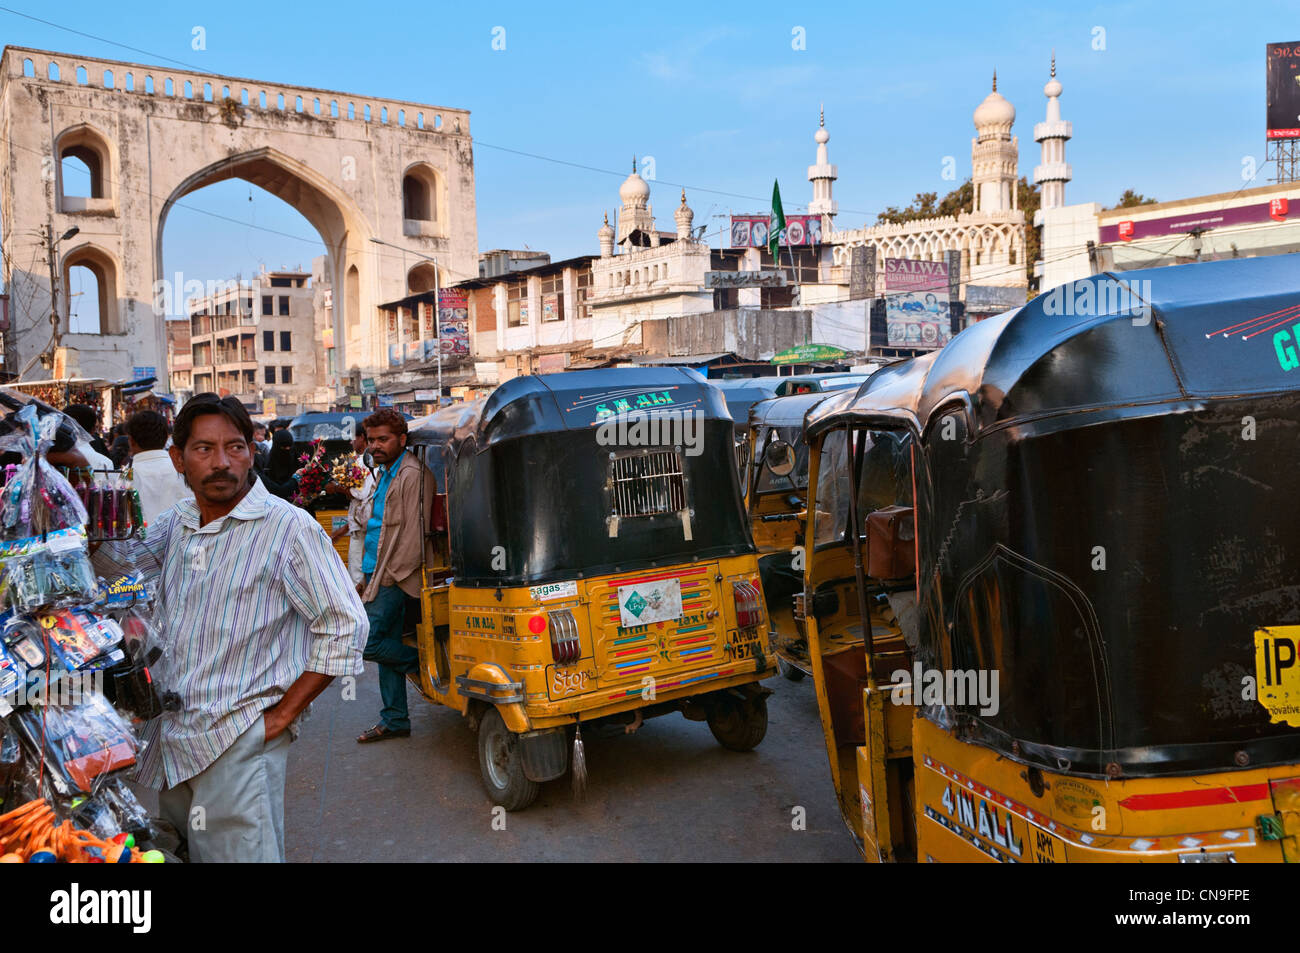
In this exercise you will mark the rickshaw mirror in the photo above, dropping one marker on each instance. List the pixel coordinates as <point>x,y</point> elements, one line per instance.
<point>780,457</point>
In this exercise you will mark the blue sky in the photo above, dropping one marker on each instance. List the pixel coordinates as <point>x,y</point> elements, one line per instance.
<point>1171,106</point>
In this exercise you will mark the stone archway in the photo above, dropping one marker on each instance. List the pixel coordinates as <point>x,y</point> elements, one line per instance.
<point>341,225</point>
<point>149,135</point>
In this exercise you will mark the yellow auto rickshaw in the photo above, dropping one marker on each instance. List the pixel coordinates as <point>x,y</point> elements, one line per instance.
<point>1052,589</point>
<point>592,564</point>
<point>776,488</point>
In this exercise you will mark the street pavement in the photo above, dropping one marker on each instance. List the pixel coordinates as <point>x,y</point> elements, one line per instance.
<point>669,792</point>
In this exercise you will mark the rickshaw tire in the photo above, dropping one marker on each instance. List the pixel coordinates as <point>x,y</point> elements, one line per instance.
<point>789,672</point>
<point>739,725</point>
<point>518,791</point>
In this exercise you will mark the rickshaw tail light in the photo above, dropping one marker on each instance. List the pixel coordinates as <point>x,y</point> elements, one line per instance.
<point>537,624</point>
<point>748,609</point>
<point>566,645</point>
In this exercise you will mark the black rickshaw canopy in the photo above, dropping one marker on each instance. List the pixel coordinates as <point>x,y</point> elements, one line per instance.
<point>528,473</point>
<point>1105,513</point>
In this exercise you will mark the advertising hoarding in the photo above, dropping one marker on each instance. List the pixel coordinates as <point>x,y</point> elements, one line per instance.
<point>453,322</point>
<point>750,231</point>
<point>1282,110</point>
<point>908,274</point>
<point>1275,210</point>
<point>918,319</point>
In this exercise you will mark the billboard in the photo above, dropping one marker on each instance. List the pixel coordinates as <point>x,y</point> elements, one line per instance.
<point>918,319</point>
<point>986,299</point>
<point>1275,210</point>
<point>750,231</point>
<point>453,322</point>
<point>908,274</point>
<point>1283,78</point>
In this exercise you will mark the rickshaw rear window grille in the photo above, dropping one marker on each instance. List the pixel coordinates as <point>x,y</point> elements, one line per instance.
<point>648,484</point>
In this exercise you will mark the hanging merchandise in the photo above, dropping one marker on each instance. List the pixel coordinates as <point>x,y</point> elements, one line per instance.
<point>77,658</point>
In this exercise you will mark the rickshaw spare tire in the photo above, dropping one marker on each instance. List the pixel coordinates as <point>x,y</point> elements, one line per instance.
<point>738,725</point>
<point>789,672</point>
<point>501,764</point>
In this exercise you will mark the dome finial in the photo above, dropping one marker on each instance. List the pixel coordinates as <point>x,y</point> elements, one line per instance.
<point>821,121</point>
<point>995,79</point>
<point>683,196</point>
<point>1053,62</point>
<point>607,218</point>
<point>634,163</point>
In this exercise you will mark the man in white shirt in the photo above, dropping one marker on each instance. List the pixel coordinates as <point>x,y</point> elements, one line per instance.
<point>358,512</point>
<point>152,471</point>
<point>85,416</point>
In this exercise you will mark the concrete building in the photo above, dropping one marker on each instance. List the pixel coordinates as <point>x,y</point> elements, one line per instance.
<point>532,321</point>
<point>180,360</point>
<point>500,261</point>
<point>357,168</point>
<point>257,340</point>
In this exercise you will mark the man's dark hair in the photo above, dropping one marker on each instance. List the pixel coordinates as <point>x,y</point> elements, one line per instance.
<point>148,429</point>
<point>386,417</point>
<point>84,415</point>
<point>202,404</point>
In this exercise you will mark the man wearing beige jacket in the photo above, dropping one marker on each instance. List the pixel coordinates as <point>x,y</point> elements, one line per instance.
<point>391,563</point>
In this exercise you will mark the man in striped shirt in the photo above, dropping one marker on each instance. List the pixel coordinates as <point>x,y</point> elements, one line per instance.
<point>258,615</point>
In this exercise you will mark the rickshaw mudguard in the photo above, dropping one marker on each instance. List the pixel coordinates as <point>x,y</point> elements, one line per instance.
<point>488,682</point>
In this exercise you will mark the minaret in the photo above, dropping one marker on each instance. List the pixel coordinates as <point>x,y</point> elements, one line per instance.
<point>606,237</point>
<point>822,176</point>
<point>684,216</point>
<point>1053,172</point>
<point>995,154</point>
<point>635,215</point>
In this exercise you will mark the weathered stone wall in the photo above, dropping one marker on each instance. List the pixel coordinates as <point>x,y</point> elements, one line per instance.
<point>315,149</point>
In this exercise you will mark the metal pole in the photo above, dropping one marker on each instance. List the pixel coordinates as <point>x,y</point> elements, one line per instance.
<point>54,288</point>
<point>437,327</point>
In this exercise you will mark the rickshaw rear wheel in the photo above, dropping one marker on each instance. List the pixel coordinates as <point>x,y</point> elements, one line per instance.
<point>502,764</point>
<point>738,725</point>
<point>788,671</point>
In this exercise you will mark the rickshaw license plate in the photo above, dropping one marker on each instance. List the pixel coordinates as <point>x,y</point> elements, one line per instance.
<point>645,602</point>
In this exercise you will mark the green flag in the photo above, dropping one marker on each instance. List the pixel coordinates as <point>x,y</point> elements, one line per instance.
<point>775,223</point>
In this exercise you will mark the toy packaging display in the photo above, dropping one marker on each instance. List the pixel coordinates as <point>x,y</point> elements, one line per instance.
<point>77,661</point>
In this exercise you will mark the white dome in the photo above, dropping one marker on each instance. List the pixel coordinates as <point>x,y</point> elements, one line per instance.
<point>821,135</point>
<point>634,190</point>
<point>1053,88</point>
<point>994,111</point>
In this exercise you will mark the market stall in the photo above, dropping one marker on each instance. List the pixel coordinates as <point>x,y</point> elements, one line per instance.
<point>80,657</point>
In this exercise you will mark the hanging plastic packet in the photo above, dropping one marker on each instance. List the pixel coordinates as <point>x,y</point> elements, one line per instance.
<point>23,638</point>
<point>134,685</point>
<point>51,572</point>
<point>84,743</point>
<point>82,641</point>
<point>11,767</point>
<point>38,498</point>
<point>113,810</point>
<point>13,674</point>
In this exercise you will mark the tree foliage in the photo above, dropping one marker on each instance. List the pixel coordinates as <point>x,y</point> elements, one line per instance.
<point>929,205</point>
<point>1131,198</point>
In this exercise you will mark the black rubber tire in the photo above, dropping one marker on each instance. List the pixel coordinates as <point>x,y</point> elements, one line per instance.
<point>501,764</point>
<point>738,725</point>
<point>789,672</point>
